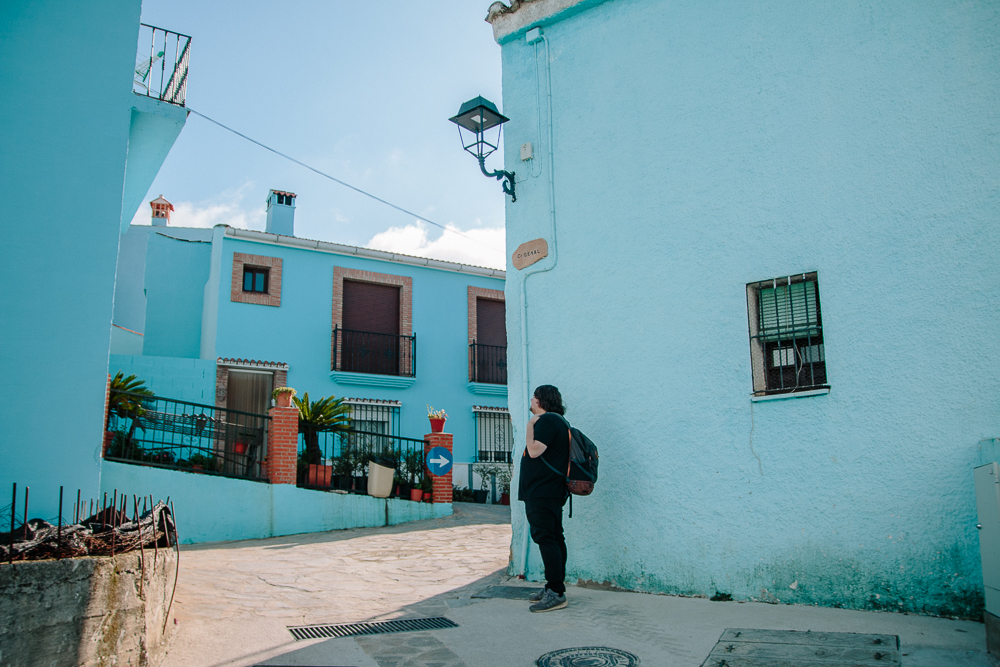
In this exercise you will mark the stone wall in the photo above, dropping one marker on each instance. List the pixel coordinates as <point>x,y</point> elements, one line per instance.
<point>85,611</point>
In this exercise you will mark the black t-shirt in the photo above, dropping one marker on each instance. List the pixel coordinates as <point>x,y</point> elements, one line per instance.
<point>537,479</point>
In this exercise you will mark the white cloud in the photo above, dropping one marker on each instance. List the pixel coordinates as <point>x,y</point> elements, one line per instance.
<point>226,209</point>
<point>483,247</point>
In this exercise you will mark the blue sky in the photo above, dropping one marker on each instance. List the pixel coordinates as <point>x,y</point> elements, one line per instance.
<point>360,90</point>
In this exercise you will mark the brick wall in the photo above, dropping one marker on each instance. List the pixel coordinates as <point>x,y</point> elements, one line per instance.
<point>273,264</point>
<point>281,463</point>
<point>442,486</point>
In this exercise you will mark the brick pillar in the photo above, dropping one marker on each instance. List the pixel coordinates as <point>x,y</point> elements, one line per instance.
<point>441,492</point>
<point>281,463</point>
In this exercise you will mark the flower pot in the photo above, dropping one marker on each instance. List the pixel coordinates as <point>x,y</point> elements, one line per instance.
<point>416,495</point>
<point>239,448</point>
<point>428,496</point>
<point>505,499</point>
<point>283,400</point>
<point>480,495</point>
<point>437,425</point>
<point>319,475</point>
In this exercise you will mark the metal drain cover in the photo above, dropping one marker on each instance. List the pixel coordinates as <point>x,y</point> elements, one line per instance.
<point>749,647</point>
<point>380,628</point>
<point>589,656</point>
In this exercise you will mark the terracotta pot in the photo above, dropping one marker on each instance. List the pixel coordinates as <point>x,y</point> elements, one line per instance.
<point>416,495</point>
<point>437,425</point>
<point>319,475</point>
<point>428,496</point>
<point>283,401</point>
<point>239,448</point>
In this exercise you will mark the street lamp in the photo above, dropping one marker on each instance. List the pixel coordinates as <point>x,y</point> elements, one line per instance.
<point>478,116</point>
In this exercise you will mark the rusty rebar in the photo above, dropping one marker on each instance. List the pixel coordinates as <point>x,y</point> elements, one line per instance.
<point>13,512</point>
<point>177,562</point>
<point>142,552</point>
<point>25,522</point>
<point>59,529</point>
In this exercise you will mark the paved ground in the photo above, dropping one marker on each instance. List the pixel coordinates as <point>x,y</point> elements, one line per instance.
<point>235,601</point>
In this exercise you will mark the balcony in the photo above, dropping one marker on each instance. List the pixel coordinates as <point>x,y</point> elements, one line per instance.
<point>488,364</point>
<point>374,359</point>
<point>161,67</point>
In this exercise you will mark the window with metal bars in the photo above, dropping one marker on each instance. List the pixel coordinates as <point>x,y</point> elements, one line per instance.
<point>786,335</point>
<point>374,416</point>
<point>494,435</point>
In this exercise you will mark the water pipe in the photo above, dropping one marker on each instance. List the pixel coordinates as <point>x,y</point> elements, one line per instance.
<point>532,37</point>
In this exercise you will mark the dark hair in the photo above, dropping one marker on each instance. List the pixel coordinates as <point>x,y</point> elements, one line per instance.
<point>550,399</point>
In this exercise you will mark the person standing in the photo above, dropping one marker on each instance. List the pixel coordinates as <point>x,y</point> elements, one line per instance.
<point>544,493</point>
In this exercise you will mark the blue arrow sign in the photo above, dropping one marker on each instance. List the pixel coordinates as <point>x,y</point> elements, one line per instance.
<point>439,461</point>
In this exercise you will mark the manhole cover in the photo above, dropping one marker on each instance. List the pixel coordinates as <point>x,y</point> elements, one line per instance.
<point>590,656</point>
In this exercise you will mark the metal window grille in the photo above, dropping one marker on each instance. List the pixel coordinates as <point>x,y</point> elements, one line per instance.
<point>494,435</point>
<point>786,335</point>
<point>374,416</point>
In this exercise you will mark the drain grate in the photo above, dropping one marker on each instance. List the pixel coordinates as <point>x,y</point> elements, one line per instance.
<point>379,628</point>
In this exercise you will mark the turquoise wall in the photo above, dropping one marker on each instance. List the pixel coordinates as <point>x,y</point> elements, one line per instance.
<point>176,272</point>
<point>178,378</point>
<point>154,128</point>
<point>65,113</point>
<point>299,334</point>
<point>699,147</point>
<point>212,509</point>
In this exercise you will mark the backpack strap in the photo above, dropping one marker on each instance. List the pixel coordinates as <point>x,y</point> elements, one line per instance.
<point>569,459</point>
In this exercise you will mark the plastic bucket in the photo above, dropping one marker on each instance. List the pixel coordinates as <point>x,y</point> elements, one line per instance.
<point>379,480</point>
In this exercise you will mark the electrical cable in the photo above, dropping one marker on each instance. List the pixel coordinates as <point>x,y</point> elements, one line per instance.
<point>337,180</point>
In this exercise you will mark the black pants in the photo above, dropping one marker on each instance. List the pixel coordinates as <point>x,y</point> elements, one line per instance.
<point>545,520</point>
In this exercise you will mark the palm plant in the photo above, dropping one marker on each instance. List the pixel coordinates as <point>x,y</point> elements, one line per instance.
<point>124,401</point>
<point>323,414</point>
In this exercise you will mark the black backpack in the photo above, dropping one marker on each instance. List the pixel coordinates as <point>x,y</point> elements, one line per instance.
<point>581,469</point>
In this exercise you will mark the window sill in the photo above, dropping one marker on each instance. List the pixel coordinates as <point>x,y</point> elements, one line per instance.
<point>371,380</point>
<point>796,394</point>
<point>487,389</point>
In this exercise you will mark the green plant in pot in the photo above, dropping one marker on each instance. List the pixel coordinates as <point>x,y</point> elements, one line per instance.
<point>283,396</point>
<point>328,414</point>
<point>124,406</point>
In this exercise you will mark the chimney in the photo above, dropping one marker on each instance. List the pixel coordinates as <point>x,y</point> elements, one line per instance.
<point>161,211</point>
<point>281,213</point>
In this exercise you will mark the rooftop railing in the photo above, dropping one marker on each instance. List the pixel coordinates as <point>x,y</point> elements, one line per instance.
<point>161,65</point>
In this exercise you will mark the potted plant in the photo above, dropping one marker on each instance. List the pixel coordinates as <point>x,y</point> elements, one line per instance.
<point>328,414</point>
<point>283,396</point>
<point>503,481</point>
<point>427,488</point>
<point>437,419</point>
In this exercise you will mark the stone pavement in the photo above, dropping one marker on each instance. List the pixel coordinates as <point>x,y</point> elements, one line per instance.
<point>235,601</point>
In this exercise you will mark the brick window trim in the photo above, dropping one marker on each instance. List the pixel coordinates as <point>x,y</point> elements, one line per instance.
<point>273,264</point>
<point>480,293</point>
<point>405,284</point>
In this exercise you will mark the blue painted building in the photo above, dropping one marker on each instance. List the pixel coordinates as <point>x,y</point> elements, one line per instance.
<point>209,312</point>
<point>80,144</point>
<point>770,294</point>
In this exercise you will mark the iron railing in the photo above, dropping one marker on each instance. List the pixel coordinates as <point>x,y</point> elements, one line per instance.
<point>376,353</point>
<point>494,435</point>
<point>339,460</point>
<point>161,70</point>
<point>488,363</point>
<point>165,433</point>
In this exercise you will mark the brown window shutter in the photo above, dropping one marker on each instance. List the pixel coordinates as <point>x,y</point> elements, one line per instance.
<point>370,307</point>
<point>491,322</point>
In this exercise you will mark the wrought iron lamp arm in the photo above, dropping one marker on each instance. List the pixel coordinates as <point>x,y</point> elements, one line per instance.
<point>508,185</point>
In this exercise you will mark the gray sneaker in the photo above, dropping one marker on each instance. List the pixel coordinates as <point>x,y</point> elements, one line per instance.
<point>537,595</point>
<point>550,602</point>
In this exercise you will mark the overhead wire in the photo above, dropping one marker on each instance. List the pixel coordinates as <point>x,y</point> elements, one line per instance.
<point>338,181</point>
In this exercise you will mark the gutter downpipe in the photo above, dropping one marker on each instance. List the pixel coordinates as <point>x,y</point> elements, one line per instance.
<point>532,36</point>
